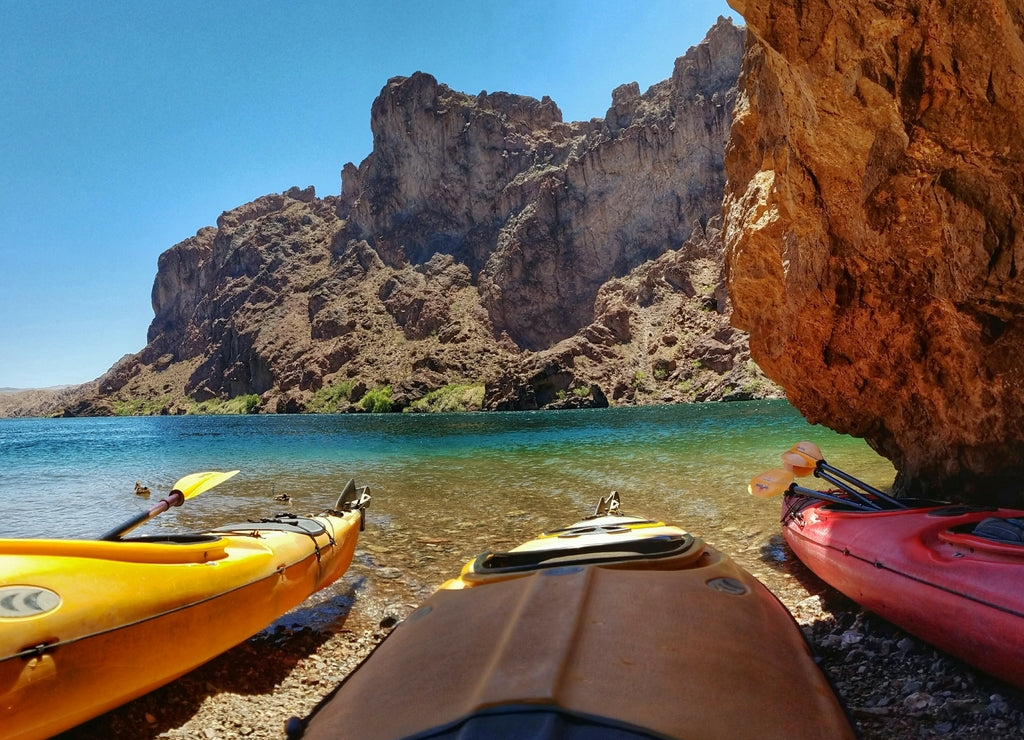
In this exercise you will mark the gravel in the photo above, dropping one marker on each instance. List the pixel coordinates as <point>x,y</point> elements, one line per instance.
<point>893,685</point>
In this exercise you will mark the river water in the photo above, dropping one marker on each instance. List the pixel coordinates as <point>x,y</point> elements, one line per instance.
<point>445,487</point>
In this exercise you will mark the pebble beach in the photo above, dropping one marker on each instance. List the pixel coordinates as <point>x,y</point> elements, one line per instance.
<point>892,685</point>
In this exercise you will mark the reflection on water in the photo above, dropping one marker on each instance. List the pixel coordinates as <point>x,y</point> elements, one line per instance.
<point>445,487</point>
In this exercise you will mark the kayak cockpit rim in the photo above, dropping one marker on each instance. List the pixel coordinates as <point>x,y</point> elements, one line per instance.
<point>837,502</point>
<point>641,548</point>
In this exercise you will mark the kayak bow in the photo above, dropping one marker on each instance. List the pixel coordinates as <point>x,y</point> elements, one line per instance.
<point>87,625</point>
<point>616,626</point>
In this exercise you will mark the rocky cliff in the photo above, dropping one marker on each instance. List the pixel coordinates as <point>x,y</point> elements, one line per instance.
<point>484,242</point>
<point>874,224</point>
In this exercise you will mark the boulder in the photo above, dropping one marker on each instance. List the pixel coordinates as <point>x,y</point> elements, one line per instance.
<point>874,228</point>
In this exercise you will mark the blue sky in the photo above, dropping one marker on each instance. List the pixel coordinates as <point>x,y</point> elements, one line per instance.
<point>127,126</point>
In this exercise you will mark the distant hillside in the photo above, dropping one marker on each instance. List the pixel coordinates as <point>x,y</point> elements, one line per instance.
<point>41,401</point>
<point>486,254</point>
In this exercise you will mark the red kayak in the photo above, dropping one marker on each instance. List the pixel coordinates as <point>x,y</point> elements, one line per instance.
<point>951,575</point>
<point>927,570</point>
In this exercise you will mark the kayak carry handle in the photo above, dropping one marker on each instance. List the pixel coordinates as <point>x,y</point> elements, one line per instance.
<point>354,499</point>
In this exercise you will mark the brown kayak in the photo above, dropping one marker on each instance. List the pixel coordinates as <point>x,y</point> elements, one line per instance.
<point>615,627</point>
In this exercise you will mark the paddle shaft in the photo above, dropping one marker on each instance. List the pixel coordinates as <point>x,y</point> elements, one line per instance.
<point>824,468</point>
<point>835,481</point>
<point>811,453</point>
<point>821,495</point>
<point>176,498</point>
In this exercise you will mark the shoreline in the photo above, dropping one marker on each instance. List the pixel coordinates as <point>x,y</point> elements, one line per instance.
<point>892,685</point>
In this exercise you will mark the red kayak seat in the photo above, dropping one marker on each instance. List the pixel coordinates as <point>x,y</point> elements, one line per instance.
<point>1000,529</point>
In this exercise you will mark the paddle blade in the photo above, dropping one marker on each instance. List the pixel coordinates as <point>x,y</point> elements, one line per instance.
<point>196,483</point>
<point>770,483</point>
<point>809,449</point>
<point>186,488</point>
<point>799,464</point>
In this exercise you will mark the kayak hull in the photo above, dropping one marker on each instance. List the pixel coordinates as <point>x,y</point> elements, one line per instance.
<point>86,626</point>
<point>923,570</point>
<point>595,635</point>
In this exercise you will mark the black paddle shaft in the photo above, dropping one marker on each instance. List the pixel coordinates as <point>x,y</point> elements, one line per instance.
<point>176,498</point>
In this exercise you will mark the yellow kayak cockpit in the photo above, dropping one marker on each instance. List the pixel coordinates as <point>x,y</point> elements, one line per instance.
<point>607,538</point>
<point>198,548</point>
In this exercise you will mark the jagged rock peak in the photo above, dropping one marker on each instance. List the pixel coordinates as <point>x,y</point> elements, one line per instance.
<point>422,91</point>
<point>483,242</point>
<point>700,71</point>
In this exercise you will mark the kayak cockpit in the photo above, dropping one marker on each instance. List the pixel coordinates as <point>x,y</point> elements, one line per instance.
<point>607,537</point>
<point>1009,530</point>
<point>538,722</point>
<point>618,550</point>
<point>1000,537</point>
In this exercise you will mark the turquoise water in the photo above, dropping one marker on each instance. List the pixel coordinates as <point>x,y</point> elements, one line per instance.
<point>445,487</point>
<point>690,463</point>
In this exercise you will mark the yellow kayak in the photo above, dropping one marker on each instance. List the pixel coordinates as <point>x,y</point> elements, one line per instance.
<point>616,626</point>
<point>87,625</point>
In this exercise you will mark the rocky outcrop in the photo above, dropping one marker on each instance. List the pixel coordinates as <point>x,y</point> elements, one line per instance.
<point>660,334</point>
<point>483,242</point>
<point>15,402</point>
<point>874,227</point>
<point>545,212</point>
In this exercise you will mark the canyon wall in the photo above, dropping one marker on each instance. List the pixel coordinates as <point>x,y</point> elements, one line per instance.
<point>874,224</point>
<point>483,242</point>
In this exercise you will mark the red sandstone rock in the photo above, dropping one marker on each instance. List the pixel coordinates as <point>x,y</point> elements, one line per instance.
<point>874,226</point>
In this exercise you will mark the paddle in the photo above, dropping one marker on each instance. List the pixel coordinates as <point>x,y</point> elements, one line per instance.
<point>805,458</point>
<point>186,488</point>
<point>802,465</point>
<point>771,483</point>
<point>775,482</point>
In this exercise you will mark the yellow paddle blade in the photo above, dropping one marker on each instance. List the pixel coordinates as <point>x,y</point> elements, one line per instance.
<point>770,483</point>
<point>196,483</point>
<point>800,464</point>
<point>808,448</point>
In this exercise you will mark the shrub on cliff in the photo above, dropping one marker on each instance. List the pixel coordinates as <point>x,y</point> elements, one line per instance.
<point>331,398</point>
<point>452,397</point>
<point>377,401</point>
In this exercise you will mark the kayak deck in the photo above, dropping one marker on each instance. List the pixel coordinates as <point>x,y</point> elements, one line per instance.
<point>97,623</point>
<point>595,638</point>
<point>926,570</point>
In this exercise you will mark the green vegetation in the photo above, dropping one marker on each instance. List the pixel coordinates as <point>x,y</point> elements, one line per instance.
<point>580,391</point>
<point>377,401</point>
<point>142,406</point>
<point>237,405</point>
<point>661,373</point>
<point>754,384</point>
<point>248,404</point>
<point>453,397</point>
<point>330,398</point>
